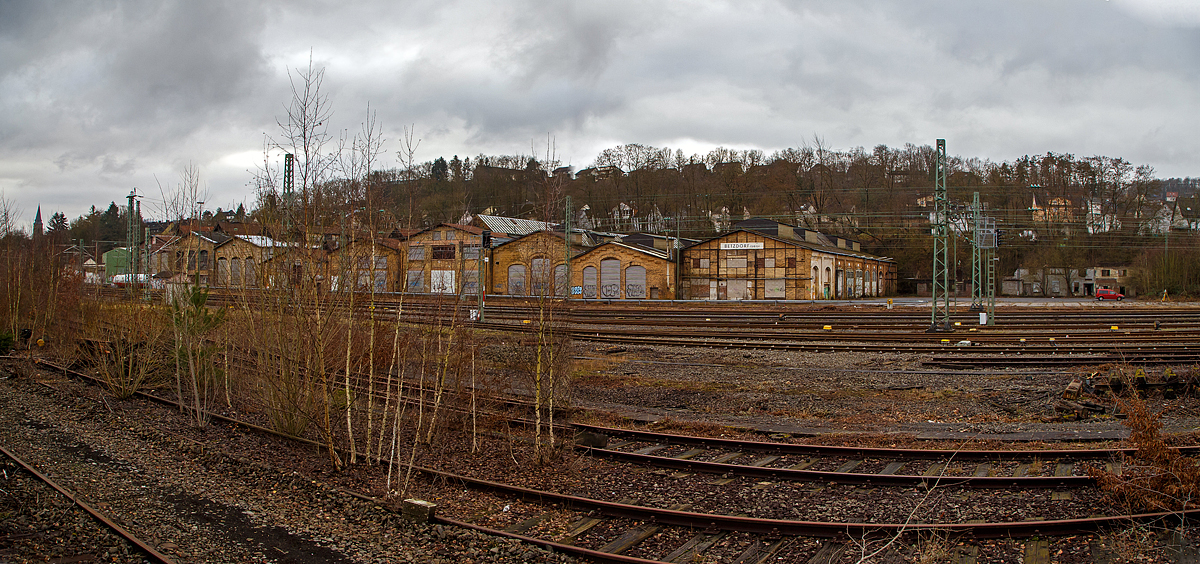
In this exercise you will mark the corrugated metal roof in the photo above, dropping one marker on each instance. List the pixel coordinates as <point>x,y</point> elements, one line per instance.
<point>513,225</point>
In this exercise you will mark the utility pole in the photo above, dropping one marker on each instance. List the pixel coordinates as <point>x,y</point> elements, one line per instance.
<point>976,255</point>
<point>567,292</point>
<point>940,311</point>
<point>485,242</point>
<point>129,243</point>
<point>983,269</point>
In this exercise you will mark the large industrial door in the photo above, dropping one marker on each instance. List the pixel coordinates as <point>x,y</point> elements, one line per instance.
<point>635,283</point>
<point>610,279</point>
<point>589,282</point>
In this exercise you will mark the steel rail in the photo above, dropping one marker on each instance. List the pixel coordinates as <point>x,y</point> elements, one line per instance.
<point>864,452</point>
<point>1102,357</point>
<point>882,480</point>
<point>709,521</point>
<point>150,551</point>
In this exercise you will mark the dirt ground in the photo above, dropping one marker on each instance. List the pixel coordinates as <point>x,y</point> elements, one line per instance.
<point>807,393</point>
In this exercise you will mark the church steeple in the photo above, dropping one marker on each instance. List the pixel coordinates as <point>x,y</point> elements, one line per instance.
<point>37,223</point>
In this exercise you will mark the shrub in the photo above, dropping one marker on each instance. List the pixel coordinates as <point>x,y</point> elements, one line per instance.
<point>1154,477</point>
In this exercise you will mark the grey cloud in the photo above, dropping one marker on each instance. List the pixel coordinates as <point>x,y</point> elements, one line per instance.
<point>104,94</point>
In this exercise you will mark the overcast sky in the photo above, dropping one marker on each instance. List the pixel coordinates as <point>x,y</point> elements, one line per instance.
<point>97,98</point>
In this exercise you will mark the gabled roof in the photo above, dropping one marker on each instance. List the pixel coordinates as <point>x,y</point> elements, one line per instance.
<point>466,228</point>
<point>512,225</point>
<point>403,233</point>
<point>389,242</point>
<point>239,228</point>
<point>557,234</point>
<point>216,238</point>
<point>638,248</point>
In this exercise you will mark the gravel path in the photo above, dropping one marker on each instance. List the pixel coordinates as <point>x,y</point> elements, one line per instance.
<point>135,462</point>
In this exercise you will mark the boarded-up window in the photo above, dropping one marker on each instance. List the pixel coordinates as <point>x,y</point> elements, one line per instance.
<point>235,271</point>
<point>451,235</point>
<point>775,289</point>
<point>516,280</point>
<point>251,273</point>
<point>441,281</point>
<point>791,263</point>
<point>760,263</point>
<point>203,260</point>
<point>704,263</point>
<point>610,279</point>
<point>471,282</point>
<point>635,283</point>
<point>415,282</point>
<point>436,235</point>
<point>191,260</point>
<point>539,275</point>
<point>560,280</point>
<point>738,289</point>
<point>735,262</point>
<point>443,252</point>
<point>471,252</point>
<point>589,282</point>
<point>695,263</point>
<point>222,277</point>
<point>769,262</point>
<point>699,288</point>
<point>416,252</point>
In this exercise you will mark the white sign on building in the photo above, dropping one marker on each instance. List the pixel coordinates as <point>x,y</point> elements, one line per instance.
<point>740,246</point>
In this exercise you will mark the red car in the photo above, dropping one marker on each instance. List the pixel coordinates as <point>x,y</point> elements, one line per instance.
<point>1105,294</point>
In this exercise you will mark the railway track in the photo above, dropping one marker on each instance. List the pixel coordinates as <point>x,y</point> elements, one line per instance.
<point>790,316</point>
<point>1027,337</point>
<point>1041,468</point>
<point>703,517</point>
<point>142,547</point>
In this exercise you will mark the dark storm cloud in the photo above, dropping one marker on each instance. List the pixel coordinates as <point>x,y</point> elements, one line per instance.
<point>105,95</point>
